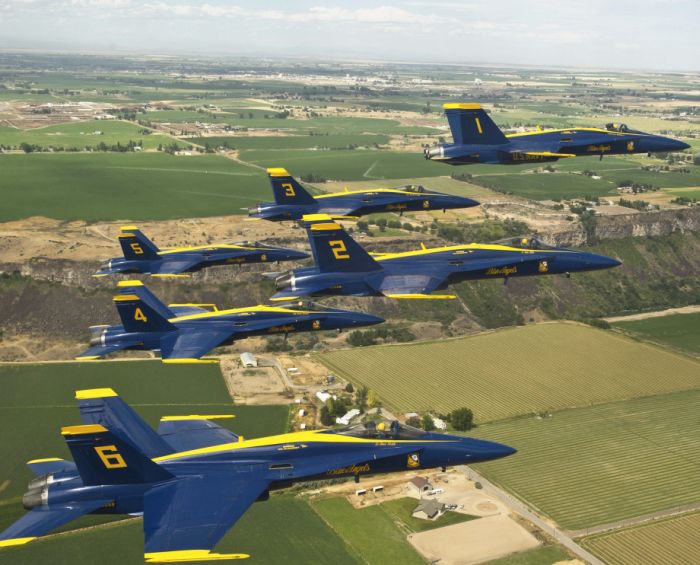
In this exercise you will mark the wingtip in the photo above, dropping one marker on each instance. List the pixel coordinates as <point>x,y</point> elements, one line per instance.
<point>15,541</point>
<point>86,357</point>
<point>182,555</point>
<point>89,393</point>
<point>277,172</point>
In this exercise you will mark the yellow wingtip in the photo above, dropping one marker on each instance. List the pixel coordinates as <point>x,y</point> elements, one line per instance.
<point>83,429</point>
<point>129,283</point>
<point>197,417</point>
<point>190,555</point>
<point>86,358</point>
<point>45,460</point>
<point>187,360</point>
<point>171,275</point>
<point>88,393</point>
<point>127,228</point>
<point>422,296</point>
<point>15,541</point>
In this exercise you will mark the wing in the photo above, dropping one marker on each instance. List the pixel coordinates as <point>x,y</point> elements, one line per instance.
<point>184,520</point>
<point>191,344</point>
<point>401,286</point>
<point>42,519</point>
<point>51,465</point>
<point>101,350</point>
<point>175,266</point>
<point>191,432</point>
<point>545,154</point>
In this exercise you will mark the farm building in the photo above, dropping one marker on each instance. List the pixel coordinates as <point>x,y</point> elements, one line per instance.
<point>429,509</point>
<point>439,423</point>
<point>345,420</point>
<point>248,360</point>
<point>323,396</point>
<point>419,485</point>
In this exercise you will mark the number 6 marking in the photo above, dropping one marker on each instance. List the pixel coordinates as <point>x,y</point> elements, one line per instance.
<point>110,457</point>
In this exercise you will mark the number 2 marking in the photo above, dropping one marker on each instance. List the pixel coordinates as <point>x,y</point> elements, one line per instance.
<point>110,457</point>
<point>339,249</point>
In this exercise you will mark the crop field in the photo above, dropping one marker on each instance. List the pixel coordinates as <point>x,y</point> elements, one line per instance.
<point>547,555</point>
<point>349,165</point>
<point>515,371</point>
<point>85,134</point>
<point>293,141</point>
<point>595,465</point>
<point>110,186</point>
<point>548,186</point>
<point>673,541</point>
<point>678,330</point>
<point>400,510</point>
<point>370,532</point>
<point>282,529</point>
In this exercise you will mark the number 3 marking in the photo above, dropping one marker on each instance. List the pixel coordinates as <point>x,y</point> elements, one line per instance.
<point>288,189</point>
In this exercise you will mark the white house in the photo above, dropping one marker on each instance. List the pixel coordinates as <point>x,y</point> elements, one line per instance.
<point>345,420</point>
<point>248,360</point>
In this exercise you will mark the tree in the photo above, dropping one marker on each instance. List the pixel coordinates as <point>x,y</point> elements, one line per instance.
<point>372,399</point>
<point>413,421</point>
<point>427,423</point>
<point>325,416</point>
<point>361,398</point>
<point>462,419</point>
<point>349,388</point>
<point>26,147</point>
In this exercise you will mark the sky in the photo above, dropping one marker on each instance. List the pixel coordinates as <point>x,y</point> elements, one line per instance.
<point>615,34</point>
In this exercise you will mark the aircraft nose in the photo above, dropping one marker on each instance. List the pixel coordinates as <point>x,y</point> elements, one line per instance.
<point>363,319</point>
<point>601,261</point>
<point>297,255</point>
<point>680,145</point>
<point>462,201</point>
<point>483,450</point>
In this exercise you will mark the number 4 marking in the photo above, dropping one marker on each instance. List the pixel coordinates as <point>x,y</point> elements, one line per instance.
<point>140,316</point>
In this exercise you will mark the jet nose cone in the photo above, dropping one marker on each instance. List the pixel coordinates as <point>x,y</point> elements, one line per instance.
<point>362,319</point>
<point>296,255</point>
<point>681,145</point>
<point>464,202</point>
<point>594,262</point>
<point>483,450</point>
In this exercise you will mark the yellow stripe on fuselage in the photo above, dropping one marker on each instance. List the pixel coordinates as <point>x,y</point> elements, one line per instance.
<point>314,436</point>
<point>368,191</point>
<point>574,130</point>
<point>456,248</point>
<point>248,310</point>
<point>169,250</point>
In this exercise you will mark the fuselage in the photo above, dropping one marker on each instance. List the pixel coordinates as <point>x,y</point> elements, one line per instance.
<point>452,264</point>
<point>550,145</point>
<point>363,202</point>
<point>282,461</point>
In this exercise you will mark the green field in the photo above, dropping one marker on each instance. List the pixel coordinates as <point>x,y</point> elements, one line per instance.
<point>400,510</point>
<point>673,541</point>
<point>595,465</point>
<point>111,186</point>
<point>350,165</point>
<point>547,555</point>
<point>79,135</point>
<point>679,330</point>
<point>515,371</point>
<point>292,141</point>
<point>370,532</point>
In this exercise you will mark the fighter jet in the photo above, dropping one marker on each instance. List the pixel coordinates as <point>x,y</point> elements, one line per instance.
<point>184,332</point>
<point>292,201</point>
<point>142,256</point>
<point>343,267</point>
<point>477,139</point>
<point>193,480</point>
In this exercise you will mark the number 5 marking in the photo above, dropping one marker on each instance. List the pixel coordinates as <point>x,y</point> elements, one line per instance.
<point>339,249</point>
<point>137,248</point>
<point>140,316</point>
<point>110,457</point>
<point>288,189</point>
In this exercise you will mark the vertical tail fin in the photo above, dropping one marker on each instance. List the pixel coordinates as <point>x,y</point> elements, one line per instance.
<point>104,459</point>
<point>286,189</point>
<point>471,125</point>
<point>135,245</point>
<point>333,249</point>
<point>103,406</point>
<point>140,310</point>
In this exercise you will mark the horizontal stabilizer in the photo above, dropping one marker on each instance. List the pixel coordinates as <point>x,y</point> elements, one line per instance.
<point>422,296</point>
<point>546,154</point>
<point>49,465</point>
<point>101,350</point>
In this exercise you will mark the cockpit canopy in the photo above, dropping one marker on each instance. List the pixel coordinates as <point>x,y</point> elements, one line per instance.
<point>249,243</point>
<point>382,430</point>
<point>617,127</point>
<point>299,305</point>
<point>417,188</point>
<point>525,242</point>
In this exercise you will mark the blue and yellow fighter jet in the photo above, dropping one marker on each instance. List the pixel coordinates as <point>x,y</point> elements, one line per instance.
<point>343,267</point>
<point>477,139</point>
<point>184,332</point>
<point>192,479</point>
<point>292,202</point>
<point>142,256</point>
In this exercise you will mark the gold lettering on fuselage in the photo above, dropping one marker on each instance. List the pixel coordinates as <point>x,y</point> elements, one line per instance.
<point>351,470</point>
<point>396,206</point>
<point>526,157</point>
<point>598,148</point>
<point>281,329</point>
<point>502,271</point>
<point>235,260</point>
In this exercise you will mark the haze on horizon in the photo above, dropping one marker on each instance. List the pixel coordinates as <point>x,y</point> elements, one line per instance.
<point>626,34</point>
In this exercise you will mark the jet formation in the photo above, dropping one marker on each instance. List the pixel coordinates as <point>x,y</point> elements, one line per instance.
<point>343,267</point>
<point>477,139</point>
<point>192,480</point>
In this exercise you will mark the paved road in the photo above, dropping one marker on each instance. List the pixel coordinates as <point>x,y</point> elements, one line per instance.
<point>519,508</point>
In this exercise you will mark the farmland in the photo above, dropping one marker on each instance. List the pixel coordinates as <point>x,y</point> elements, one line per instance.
<point>547,555</point>
<point>371,532</point>
<point>110,186</point>
<point>679,330</point>
<point>515,371</point>
<point>595,465</point>
<point>673,541</point>
<point>400,510</point>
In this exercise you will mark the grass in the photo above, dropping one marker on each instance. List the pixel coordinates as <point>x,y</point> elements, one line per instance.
<point>370,532</point>
<point>293,141</point>
<point>348,164</point>
<point>126,186</point>
<point>547,555</point>
<point>515,371</point>
<point>402,508</point>
<point>673,541</point>
<point>679,330</point>
<point>595,465</point>
<point>300,536</point>
<point>85,134</point>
